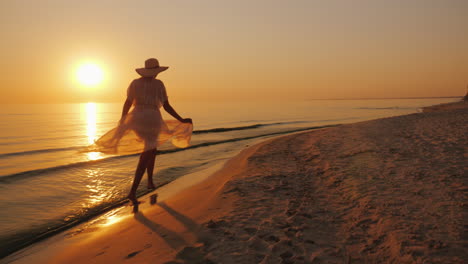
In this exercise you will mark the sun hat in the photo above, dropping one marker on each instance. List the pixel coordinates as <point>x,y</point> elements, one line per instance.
<point>151,68</point>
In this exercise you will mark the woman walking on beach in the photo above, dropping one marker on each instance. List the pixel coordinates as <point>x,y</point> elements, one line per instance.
<point>143,129</point>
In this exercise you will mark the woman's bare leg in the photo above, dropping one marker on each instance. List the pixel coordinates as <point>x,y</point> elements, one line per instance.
<point>140,170</point>
<point>150,168</point>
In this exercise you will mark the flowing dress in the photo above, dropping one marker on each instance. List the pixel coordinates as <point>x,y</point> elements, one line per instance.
<point>143,128</point>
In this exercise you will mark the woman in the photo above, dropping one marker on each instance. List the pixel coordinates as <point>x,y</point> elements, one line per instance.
<point>143,129</point>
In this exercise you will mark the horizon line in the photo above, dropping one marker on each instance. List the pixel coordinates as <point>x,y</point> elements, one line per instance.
<point>310,99</point>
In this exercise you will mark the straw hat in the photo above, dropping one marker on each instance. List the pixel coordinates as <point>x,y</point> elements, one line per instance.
<point>151,68</point>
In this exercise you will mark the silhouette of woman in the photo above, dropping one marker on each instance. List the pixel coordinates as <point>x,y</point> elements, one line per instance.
<point>143,129</point>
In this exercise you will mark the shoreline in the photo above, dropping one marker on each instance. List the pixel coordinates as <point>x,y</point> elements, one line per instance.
<point>445,107</point>
<point>199,226</point>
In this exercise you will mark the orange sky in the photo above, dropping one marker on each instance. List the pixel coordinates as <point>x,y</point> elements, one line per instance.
<point>236,50</point>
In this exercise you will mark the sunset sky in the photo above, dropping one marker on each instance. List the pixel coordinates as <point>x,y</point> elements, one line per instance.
<point>235,50</point>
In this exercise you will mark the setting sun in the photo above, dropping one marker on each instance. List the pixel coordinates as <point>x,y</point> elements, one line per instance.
<point>89,74</point>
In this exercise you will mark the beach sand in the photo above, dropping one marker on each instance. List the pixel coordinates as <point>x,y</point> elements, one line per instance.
<point>391,190</point>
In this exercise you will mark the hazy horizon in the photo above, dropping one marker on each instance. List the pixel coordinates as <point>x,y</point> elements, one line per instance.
<point>236,51</point>
<point>246,101</point>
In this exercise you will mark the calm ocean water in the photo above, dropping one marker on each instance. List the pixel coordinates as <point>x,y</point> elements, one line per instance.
<point>47,184</point>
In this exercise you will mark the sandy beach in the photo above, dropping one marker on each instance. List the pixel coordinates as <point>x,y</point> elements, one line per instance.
<point>391,190</point>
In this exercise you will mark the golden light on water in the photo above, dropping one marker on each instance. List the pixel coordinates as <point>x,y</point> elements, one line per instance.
<point>89,74</point>
<point>94,155</point>
<point>112,219</point>
<point>91,130</point>
<point>96,187</point>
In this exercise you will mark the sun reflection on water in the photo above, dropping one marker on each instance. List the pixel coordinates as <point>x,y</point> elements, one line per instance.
<point>94,155</point>
<point>96,187</point>
<point>112,219</point>
<point>91,131</point>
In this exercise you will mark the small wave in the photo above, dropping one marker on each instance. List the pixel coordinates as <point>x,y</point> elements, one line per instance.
<point>377,108</point>
<point>10,137</point>
<point>37,151</point>
<point>226,129</point>
<point>25,174</point>
<point>223,129</point>
<point>386,108</point>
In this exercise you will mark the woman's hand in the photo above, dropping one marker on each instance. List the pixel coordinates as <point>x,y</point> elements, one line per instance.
<point>167,106</point>
<point>186,120</point>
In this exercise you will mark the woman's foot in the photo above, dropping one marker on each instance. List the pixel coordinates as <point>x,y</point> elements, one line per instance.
<point>133,199</point>
<point>151,186</point>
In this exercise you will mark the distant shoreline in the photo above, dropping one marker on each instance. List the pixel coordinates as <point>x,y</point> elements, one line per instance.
<point>390,98</point>
<point>445,107</point>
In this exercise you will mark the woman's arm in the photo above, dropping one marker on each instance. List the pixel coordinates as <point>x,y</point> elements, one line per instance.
<point>173,113</point>
<point>126,107</point>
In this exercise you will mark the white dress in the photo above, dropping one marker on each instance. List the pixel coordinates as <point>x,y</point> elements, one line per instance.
<point>143,128</point>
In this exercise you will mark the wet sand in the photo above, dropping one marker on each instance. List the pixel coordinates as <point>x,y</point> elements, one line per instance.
<point>391,190</point>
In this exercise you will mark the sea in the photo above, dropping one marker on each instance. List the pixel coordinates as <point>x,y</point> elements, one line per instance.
<point>48,184</point>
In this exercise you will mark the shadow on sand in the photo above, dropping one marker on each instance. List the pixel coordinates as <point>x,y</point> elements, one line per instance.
<point>191,225</point>
<point>173,238</point>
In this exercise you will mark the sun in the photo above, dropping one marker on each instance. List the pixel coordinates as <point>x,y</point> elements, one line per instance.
<point>89,74</point>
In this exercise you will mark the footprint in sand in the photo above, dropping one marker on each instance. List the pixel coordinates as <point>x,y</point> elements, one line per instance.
<point>192,255</point>
<point>272,238</point>
<point>131,255</point>
<point>153,198</point>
